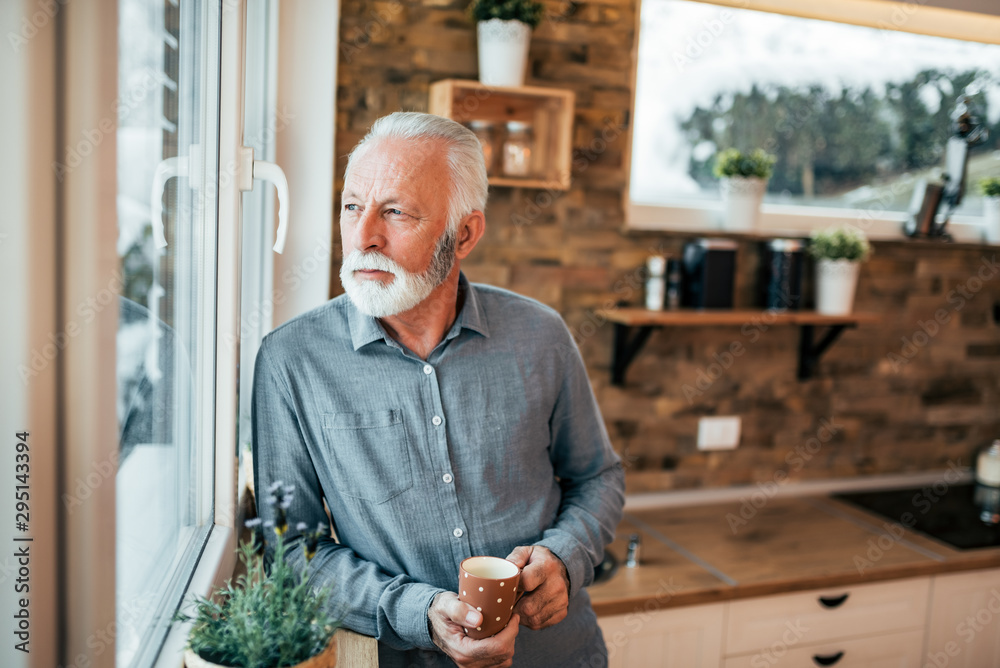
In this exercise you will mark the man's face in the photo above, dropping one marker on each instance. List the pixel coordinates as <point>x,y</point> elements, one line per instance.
<point>393,225</point>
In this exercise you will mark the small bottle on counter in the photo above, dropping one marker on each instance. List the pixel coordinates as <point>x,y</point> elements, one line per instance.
<point>656,282</point>
<point>632,556</point>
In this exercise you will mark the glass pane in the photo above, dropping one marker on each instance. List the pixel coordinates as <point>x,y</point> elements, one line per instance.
<point>855,115</point>
<point>167,155</point>
<point>260,127</point>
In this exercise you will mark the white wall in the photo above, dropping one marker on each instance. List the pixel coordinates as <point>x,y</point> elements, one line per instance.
<point>307,88</point>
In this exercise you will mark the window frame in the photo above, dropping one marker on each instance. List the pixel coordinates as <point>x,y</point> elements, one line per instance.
<point>701,217</point>
<point>217,560</point>
<point>306,154</point>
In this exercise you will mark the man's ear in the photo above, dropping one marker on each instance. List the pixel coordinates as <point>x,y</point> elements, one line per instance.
<point>470,231</point>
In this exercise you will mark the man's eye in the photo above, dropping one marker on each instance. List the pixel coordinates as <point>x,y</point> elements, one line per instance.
<point>396,212</point>
<point>351,207</point>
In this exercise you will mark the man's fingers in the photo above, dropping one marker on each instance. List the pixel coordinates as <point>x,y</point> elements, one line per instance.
<point>520,555</point>
<point>510,631</point>
<point>497,650</point>
<point>458,612</point>
<point>543,607</point>
<point>464,614</point>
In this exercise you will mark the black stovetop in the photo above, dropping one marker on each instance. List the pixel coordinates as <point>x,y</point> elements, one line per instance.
<point>950,516</point>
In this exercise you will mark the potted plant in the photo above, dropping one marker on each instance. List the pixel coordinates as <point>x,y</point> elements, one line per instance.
<point>503,29</point>
<point>839,253</point>
<point>991,209</point>
<point>272,617</point>
<point>743,180</point>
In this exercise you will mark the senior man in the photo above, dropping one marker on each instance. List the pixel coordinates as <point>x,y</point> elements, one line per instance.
<point>437,419</point>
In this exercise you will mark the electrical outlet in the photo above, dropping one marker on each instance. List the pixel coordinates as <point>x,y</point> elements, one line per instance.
<point>719,433</point>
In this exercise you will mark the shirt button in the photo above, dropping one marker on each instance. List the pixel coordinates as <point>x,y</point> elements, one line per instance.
<point>436,420</point>
<point>447,477</point>
<point>428,369</point>
<point>457,533</point>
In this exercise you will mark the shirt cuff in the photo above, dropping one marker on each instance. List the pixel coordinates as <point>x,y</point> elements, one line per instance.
<point>411,622</point>
<point>569,550</point>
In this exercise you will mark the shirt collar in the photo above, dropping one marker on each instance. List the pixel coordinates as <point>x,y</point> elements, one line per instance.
<point>366,329</point>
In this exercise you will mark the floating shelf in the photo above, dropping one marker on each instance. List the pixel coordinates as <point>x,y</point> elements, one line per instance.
<point>549,111</point>
<point>633,327</point>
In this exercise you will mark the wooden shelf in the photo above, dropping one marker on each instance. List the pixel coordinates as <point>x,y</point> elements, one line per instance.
<point>549,111</point>
<point>729,317</point>
<point>633,326</point>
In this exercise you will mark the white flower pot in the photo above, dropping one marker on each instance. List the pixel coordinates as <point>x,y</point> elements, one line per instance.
<point>991,220</point>
<point>741,200</point>
<point>836,282</point>
<point>503,52</point>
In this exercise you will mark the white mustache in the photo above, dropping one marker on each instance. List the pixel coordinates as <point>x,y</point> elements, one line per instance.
<point>371,261</point>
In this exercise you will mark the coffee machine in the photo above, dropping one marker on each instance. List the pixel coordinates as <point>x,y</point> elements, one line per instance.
<point>933,203</point>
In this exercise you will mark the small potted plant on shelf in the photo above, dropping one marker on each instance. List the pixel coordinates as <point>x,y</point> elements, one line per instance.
<point>272,617</point>
<point>991,209</point>
<point>503,29</point>
<point>839,253</point>
<point>743,180</point>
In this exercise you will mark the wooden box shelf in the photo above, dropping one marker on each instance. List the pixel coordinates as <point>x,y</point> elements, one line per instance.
<point>549,111</point>
<point>633,327</point>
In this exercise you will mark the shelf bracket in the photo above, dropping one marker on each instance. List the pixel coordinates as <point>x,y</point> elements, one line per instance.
<point>626,346</point>
<point>810,351</point>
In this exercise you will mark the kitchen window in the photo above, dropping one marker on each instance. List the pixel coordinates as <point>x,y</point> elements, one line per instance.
<point>168,175</point>
<point>188,319</point>
<point>856,114</point>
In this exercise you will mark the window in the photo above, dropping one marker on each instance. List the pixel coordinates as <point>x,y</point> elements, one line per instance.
<point>168,136</point>
<point>855,115</point>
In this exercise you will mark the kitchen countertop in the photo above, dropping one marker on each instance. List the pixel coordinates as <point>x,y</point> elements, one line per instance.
<point>723,551</point>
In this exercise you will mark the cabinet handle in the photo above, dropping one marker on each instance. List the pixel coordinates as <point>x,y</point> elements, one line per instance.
<point>833,601</point>
<point>827,660</point>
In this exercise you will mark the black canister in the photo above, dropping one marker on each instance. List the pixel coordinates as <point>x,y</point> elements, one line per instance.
<point>709,269</point>
<point>780,284</point>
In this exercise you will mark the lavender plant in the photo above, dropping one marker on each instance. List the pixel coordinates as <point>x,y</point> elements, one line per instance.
<point>272,617</point>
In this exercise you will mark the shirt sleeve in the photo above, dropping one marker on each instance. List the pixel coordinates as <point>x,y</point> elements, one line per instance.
<point>393,609</point>
<point>590,474</point>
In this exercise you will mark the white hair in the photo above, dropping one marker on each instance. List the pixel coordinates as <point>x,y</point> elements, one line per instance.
<point>465,156</point>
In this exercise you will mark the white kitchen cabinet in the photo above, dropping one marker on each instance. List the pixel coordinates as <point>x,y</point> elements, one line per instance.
<point>806,618</point>
<point>927,622</point>
<point>964,630</point>
<point>690,637</point>
<point>894,650</point>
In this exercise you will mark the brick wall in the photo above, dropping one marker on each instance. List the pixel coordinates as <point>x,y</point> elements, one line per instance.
<point>937,400</point>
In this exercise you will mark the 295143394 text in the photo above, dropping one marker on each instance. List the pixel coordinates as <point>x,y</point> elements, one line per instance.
<point>22,542</point>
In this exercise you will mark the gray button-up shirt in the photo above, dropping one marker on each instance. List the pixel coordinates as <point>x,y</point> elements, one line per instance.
<point>494,441</point>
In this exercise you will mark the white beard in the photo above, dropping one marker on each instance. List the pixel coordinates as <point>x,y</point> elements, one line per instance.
<point>405,290</point>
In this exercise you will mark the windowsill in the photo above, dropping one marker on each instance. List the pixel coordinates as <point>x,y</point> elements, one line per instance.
<point>780,220</point>
<point>215,566</point>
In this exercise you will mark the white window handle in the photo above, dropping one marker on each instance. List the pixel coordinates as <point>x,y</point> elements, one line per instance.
<point>251,169</point>
<point>166,170</point>
<point>180,166</point>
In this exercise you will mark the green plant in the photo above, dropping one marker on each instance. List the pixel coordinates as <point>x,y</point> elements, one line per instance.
<point>272,617</point>
<point>991,186</point>
<point>842,243</point>
<point>525,11</point>
<point>733,162</point>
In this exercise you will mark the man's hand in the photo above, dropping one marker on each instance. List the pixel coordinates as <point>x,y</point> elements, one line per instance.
<point>545,584</point>
<point>448,616</point>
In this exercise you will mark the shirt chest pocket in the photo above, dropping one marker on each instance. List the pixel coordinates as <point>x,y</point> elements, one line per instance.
<point>369,454</point>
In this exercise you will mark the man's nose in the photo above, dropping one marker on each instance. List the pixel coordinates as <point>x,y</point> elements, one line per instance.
<point>368,232</point>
